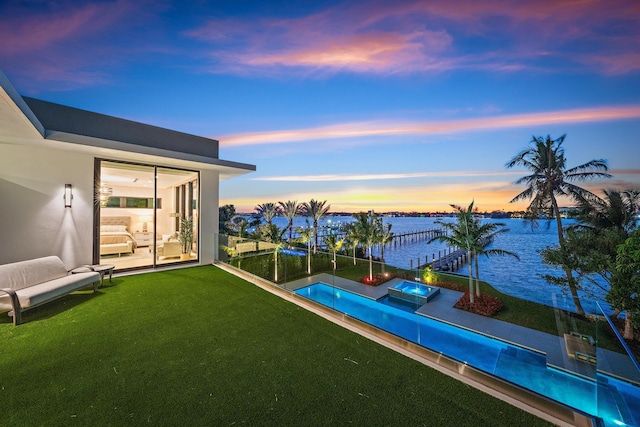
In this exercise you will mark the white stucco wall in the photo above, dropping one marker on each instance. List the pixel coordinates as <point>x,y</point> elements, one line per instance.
<point>209,199</point>
<point>33,219</point>
<point>35,223</point>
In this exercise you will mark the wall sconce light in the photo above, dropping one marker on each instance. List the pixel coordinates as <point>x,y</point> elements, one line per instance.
<point>68,195</point>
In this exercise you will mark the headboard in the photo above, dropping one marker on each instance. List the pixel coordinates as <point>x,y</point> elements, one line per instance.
<point>116,220</point>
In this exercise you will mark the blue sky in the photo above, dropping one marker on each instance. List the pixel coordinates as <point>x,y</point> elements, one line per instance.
<point>396,105</point>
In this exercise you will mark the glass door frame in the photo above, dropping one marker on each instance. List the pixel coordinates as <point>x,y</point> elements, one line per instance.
<point>98,162</point>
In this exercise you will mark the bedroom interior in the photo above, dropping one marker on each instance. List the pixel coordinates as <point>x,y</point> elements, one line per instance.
<point>140,208</point>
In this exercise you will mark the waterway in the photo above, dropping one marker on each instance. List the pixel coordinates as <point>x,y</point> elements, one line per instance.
<point>523,278</point>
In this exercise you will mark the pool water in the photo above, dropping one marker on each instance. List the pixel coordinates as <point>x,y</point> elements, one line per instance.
<point>413,292</point>
<point>414,288</point>
<point>400,304</point>
<point>614,401</point>
<point>292,252</point>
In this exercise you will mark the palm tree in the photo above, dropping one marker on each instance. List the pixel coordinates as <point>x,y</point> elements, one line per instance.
<point>386,236</point>
<point>368,227</point>
<point>550,178</point>
<point>334,244</point>
<point>616,210</point>
<point>306,235</point>
<point>352,239</point>
<point>240,224</point>
<point>225,215</point>
<point>268,211</point>
<point>482,234</point>
<point>316,210</point>
<point>274,234</point>
<point>459,234</point>
<point>604,224</point>
<point>290,209</point>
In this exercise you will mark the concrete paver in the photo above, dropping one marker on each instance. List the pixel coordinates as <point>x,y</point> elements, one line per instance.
<point>442,308</point>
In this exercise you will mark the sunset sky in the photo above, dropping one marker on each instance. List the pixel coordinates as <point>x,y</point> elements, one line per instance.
<point>390,105</point>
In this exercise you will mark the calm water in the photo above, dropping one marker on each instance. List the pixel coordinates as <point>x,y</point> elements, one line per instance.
<point>518,278</point>
<point>510,276</point>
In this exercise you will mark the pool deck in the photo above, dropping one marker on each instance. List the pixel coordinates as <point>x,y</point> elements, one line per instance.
<point>442,308</point>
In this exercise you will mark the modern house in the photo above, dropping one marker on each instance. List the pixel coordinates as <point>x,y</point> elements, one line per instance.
<point>92,188</point>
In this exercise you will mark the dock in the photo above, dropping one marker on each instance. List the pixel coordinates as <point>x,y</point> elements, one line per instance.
<point>398,238</point>
<point>415,236</point>
<point>450,259</point>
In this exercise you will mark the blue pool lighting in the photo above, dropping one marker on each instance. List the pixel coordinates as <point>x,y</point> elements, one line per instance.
<point>292,252</point>
<point>606,397</point>
<point>414,292</point>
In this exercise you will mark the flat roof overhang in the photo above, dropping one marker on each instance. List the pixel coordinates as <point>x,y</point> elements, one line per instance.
<point>136,142</point>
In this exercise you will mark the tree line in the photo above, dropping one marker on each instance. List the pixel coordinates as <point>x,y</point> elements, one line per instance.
<point>602,246</point>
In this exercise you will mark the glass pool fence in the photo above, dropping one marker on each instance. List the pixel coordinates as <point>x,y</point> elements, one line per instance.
<point>578,361</point>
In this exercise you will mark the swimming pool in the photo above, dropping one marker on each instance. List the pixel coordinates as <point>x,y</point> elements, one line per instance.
<point>292,252</point>
<point>612,400</point>
<point>413,292</point>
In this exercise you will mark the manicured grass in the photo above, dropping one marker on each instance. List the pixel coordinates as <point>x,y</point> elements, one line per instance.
<point>199,346</point>
<point>294,267</point>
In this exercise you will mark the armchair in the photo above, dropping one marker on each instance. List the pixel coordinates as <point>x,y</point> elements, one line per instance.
<point>169,247</point>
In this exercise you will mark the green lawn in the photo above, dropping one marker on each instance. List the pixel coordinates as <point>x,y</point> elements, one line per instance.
<point>199,346</point>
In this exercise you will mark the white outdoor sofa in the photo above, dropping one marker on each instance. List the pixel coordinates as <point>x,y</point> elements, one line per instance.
<point>28,284</point>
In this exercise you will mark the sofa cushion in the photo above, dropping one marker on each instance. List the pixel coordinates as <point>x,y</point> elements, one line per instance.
<point>22,274</point>
<point>34,295</point>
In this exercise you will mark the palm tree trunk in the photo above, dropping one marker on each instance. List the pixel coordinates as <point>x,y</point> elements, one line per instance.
<point>370,265</point>
<point>276,266</point>
<point>309,257</point>
<point>567,271</point>
<point>475,256</point>
<point>382,256</point>
<point>354,255</point>
<point>471,299</point>
<point>628,327</point>
<point>315,241</point>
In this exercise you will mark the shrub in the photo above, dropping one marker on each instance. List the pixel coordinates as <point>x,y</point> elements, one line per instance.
<point>485,305</point>
<point>449,285</point>
<point>380,278</point>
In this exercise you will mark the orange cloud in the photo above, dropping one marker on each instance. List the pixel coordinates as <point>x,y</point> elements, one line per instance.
<point>385,177</point>
<point>418,36</point>
<point>380,52</point>
<point>379,128</point>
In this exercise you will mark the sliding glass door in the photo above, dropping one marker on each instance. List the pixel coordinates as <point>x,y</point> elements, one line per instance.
<point>147,215</point>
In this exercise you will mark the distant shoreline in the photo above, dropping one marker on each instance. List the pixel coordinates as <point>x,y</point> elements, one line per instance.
<point>394,214</point>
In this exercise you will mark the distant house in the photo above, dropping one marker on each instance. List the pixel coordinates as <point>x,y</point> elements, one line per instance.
<point>94,189</point>
<point>568,211</point>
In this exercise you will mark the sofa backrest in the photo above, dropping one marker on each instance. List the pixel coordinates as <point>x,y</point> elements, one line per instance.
<point>23,274</point>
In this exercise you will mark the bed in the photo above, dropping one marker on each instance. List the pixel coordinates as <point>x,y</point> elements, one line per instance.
<point>115,236</point>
